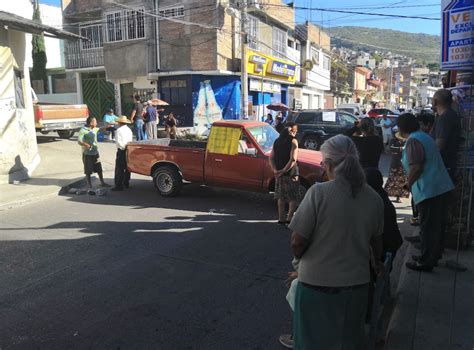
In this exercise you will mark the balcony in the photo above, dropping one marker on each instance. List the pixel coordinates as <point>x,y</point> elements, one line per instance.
<point>76,57</point>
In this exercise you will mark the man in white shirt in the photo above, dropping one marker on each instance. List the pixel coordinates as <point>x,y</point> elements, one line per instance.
<point>123,136</point>
<point>386,125</point>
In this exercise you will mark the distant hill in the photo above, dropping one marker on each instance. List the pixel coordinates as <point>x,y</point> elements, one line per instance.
<point>424,48</point>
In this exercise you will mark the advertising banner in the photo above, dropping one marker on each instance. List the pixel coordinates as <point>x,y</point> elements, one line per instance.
<point>457,34</point>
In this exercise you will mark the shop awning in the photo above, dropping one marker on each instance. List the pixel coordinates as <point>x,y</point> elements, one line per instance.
<point>22,24</point>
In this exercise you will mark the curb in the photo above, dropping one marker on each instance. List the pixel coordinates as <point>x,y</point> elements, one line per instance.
<point>31,198</point>
<point>402,326</point>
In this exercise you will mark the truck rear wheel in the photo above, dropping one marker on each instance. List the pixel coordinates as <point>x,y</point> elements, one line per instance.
<point>66,134</point>
<point>168,181</point>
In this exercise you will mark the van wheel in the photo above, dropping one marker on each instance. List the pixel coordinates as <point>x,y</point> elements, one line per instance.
<point>168,181</point>
<point>66,134</point>
<point>312,143</point>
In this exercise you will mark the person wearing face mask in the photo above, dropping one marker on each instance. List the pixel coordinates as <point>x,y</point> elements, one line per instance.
<point>283,161</point>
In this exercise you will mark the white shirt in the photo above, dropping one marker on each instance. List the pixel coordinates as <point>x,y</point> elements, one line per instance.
<point>123,136</point>
<point>388,122</point>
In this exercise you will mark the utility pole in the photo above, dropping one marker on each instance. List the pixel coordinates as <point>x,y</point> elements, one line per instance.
<point>244,96</point>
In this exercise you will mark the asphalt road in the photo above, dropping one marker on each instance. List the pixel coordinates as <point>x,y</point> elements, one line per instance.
<point>133,270</point>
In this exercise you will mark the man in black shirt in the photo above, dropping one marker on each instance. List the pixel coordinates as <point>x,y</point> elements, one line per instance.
<point>446,129</point>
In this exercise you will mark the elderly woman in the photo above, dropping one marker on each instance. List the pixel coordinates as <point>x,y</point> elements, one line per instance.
<point>430,183</point>
<point>333,230</point>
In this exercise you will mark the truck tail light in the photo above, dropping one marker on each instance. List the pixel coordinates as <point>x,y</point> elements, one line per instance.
<point>39,113</point>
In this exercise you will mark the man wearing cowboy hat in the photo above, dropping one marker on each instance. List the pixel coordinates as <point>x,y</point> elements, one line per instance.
<point>123,136</point>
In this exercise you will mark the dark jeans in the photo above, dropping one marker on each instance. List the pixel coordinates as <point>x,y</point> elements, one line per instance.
<point>432,228</point>
<point>112,131</point>
<point>414,208</point>
<point>122,175</point>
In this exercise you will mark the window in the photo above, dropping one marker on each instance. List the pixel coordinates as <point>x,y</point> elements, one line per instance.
<point>326,63</point>
<point>297,46</point>
<point>253,33</point>
<point>125,25</point>
<point>291,43</point>
<point>315,56</point>
<point>18,83</point>
<point>172,12</point>
<point>94,34</point>
<point>306,118</point>
<point>279,43</point>
<point>174,92</point>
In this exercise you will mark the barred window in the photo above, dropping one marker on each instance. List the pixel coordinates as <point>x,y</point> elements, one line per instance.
<point>172,12</point>
<point>125,25</point>
<point>94,34</point>
<point>279,43</point>
<point>253,33</point>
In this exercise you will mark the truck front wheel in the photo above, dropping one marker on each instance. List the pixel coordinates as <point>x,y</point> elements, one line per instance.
<point>168,181</point>
<point>66,134</point>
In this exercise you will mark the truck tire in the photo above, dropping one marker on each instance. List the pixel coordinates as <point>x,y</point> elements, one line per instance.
<point>311,142</point>
<point>66,134</point>
<point>167,180</point>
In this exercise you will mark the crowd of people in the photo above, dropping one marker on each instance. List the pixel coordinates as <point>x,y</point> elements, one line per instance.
<point>145,118</point>
<point>344,227</point>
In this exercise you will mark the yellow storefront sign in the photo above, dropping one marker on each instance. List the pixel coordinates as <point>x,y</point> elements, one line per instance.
<point>270,67</point>
<point>224,140</point>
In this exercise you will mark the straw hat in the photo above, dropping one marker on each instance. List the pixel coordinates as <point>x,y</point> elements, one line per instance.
<point>123,120</point>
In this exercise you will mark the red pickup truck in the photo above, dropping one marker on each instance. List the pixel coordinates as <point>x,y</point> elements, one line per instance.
<point>236,155</point>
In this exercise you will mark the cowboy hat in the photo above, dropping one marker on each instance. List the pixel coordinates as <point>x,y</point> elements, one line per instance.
<point>123,120</point>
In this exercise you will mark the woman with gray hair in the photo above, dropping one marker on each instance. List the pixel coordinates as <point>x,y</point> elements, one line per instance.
<point>333,230</point>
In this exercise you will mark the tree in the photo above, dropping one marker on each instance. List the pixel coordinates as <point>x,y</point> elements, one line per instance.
<point>39,53</point>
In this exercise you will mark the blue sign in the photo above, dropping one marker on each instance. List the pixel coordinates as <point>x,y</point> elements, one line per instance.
<point>457,40</point>
<point>280,68</point>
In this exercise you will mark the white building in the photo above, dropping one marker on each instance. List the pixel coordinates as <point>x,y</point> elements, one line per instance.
<point>426,94</point>
<point>18,148</point>
<point>316,62</point>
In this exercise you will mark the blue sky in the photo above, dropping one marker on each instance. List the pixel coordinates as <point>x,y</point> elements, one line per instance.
<point>427,8</point>
<point>327,19</point>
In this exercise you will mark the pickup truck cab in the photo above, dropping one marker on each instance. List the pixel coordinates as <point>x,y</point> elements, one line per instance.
<point>236,155</point>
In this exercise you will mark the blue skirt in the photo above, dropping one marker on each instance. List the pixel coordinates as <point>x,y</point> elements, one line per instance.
<point>329,320</point>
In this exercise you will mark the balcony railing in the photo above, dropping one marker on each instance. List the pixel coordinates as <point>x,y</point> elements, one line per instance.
<point>76,57</point>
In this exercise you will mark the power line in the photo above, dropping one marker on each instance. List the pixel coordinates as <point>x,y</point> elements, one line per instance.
<point>355,12</point>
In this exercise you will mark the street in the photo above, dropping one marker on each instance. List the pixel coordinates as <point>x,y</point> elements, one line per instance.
<point>133,270</point>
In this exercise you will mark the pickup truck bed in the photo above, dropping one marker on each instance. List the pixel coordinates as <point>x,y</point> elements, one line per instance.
<point>238,158</point>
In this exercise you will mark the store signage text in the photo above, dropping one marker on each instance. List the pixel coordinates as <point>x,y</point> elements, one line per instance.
<point>457,49</point>
<point>268,86</point>
<point>280,68</point>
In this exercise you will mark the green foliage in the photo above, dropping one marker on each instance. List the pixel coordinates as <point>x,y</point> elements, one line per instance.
<point>377,57</point>
<point>422,47</point>
<point>39,53</point>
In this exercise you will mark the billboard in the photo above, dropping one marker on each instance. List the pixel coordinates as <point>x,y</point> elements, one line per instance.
<point>457,34</point>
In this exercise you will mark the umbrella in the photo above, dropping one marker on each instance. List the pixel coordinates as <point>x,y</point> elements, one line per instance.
<point>280,107</point>
<point>158,102</point>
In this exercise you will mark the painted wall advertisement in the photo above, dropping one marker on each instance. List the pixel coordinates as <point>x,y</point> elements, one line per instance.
<point>457,41</point>
<point>214,98</point>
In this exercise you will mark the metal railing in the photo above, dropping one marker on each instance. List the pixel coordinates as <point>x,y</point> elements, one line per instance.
<point>76,57</point>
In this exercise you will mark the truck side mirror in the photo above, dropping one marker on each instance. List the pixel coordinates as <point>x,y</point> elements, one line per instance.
<point>251,151</point>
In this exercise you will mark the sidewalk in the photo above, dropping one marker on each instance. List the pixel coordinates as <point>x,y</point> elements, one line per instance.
<point>424,307</point>
<point>60,166</point>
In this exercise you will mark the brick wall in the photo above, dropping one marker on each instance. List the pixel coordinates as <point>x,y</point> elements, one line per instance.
<point>318,36</point>
<point>279,11</point>
<point>187,47</point>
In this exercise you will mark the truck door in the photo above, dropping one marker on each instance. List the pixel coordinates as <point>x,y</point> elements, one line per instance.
<point>233,160</point>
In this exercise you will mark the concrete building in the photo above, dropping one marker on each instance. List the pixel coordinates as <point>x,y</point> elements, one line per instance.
<point>426,93</point>
<point>188,55</point>
<point>316,60</point>
<point>18,148</point>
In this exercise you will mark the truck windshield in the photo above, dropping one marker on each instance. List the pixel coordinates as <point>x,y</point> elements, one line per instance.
<point>265,136</point>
